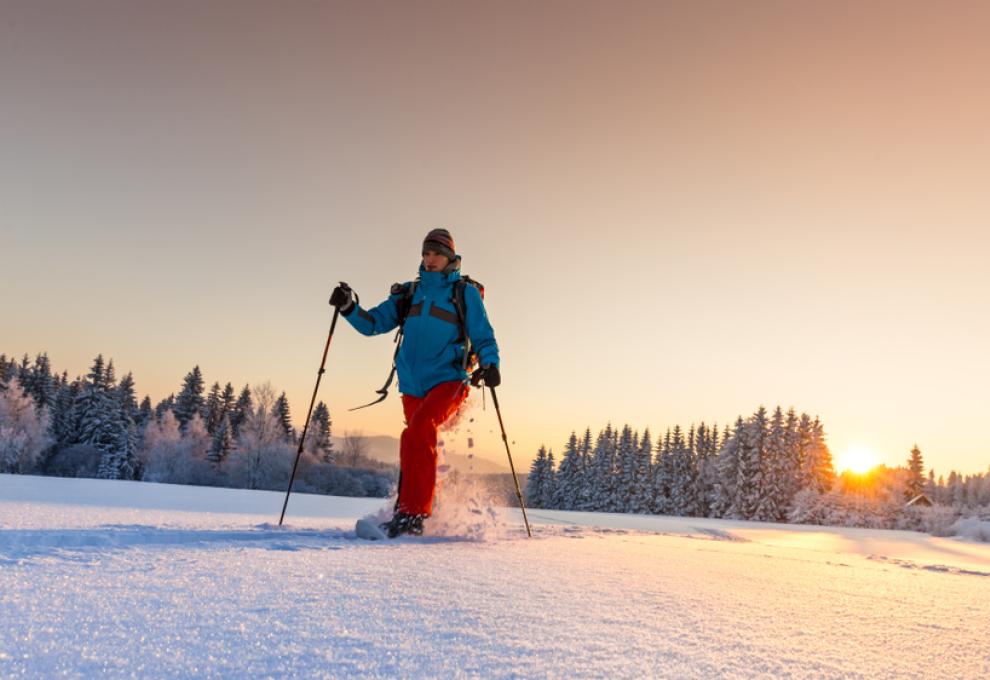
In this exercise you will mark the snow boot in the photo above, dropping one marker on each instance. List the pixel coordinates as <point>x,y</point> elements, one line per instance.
<point>402,523</point>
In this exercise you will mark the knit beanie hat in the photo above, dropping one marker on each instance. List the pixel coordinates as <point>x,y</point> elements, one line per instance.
<point>440,241</point>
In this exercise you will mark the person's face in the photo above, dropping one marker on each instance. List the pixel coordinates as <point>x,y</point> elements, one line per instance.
<point>434,261</point>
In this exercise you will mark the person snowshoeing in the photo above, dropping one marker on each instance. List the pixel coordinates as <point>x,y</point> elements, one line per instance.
<point>443,320</point>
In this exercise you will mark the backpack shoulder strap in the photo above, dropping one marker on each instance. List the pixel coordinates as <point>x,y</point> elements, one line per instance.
<point>404,303</point>
<point>459,304</point>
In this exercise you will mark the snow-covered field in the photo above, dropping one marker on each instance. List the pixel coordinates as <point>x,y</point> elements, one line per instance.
<point>145,580</point>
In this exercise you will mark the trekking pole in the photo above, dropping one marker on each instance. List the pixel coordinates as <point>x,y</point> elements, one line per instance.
<point>511,466</point>
<point>302,437</point>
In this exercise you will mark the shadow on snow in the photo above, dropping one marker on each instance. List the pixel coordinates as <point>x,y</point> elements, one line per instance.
<point>20,544</point>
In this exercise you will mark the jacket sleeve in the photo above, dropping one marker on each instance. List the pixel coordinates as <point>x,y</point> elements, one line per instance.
<point>380,319</point>
<point>479,329</point>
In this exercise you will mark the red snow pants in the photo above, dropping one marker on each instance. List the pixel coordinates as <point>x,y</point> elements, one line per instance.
<point>418,445</point>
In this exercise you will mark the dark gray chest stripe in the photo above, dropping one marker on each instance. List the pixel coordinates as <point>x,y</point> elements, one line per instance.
<point>415,310</point>
<point>441,313</point>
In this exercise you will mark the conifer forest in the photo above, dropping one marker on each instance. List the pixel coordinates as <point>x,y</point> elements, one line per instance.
<point>772,466</point>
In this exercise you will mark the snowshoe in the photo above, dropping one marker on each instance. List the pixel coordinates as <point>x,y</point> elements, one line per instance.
<point>369,531</point>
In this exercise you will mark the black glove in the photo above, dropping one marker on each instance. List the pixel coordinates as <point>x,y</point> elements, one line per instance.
<point>489,374</point>
<point>342,297</point>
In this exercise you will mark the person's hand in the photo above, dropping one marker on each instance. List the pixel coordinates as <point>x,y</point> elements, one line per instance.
<point>342,297</point>
<point>489,374</point>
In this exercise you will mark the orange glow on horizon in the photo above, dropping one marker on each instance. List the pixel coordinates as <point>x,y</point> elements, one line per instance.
<point>858,459</point>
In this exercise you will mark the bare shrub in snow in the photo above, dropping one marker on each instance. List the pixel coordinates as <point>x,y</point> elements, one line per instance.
<point>24,432</point>
<point>169,455</point>
<point>160,452</point>
<point>936,520</point>
<point>975,528</point>
<point>262,459</point>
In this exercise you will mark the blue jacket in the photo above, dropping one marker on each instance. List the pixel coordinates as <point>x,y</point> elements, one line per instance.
<point>430,352</point>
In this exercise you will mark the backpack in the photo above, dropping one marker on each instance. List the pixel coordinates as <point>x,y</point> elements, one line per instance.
<point>404,304</point>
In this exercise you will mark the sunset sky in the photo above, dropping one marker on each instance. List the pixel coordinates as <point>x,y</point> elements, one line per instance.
<point>680,210</point>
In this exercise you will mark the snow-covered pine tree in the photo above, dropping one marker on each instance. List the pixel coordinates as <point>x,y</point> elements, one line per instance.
<point>624,488</point>
<point>585,495</point>
<point>663,477</point>
<point>320,434</point>
<point>806,453</point>
<point>113,463</point>
<point>227,399</point>
<point>242,408</point>
<point>699,451</point>
<point>792,461</point>
<point>682,488</point>
<point>602,476</point>
<point>707,474</point>
<point>124,462</point>
<point>569,476</point>
<point>715,445</point>
<point>772,503</point>
<point>535,482</point>
<point>127,398</point>
<point>97,422</point>
<point>42,388</point>
<point>24,375</point>
<point>679,474</point>
<point>8,371</point>
<point>915,483</point>
<point>548,488</point>
<point>222,441</point>
<point>166,404</point>
<point>64,415</point>
<point>96,378</point>
<point>190,400</point>
<point>281,413</point>
<point>212,409</point>
<point>642,490</point>
<point>110,377</point>
<point>823,474</point>
<point>725,503</point>
<point>749,483</point>
<point>145,413</point>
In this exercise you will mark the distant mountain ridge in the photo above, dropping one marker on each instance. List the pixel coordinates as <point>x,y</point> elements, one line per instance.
<point>385,448</point>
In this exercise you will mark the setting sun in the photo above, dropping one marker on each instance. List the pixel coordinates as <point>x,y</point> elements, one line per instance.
<point>858,459</point>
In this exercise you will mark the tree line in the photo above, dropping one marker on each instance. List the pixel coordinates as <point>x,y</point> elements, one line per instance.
<point>773,467</point>
<point>770,466</point>
<point>93,426</point>
<point>752,470</point>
